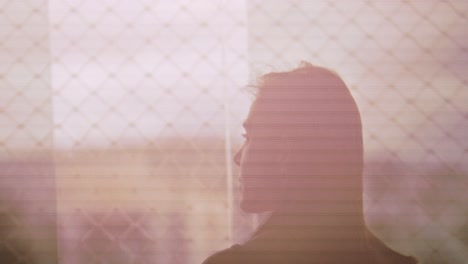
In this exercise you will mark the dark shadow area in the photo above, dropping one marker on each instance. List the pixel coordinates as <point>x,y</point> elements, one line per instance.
<point>28,210</point>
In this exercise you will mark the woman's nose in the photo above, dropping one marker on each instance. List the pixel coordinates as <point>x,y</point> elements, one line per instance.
<point>237,157</point>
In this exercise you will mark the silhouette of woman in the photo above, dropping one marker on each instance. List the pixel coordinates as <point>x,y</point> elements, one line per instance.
<point>302,161</point>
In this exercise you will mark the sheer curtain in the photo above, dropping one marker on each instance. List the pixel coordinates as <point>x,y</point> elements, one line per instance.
<point>120,120</point>
<point>27,182</point>
<point>148,104</point>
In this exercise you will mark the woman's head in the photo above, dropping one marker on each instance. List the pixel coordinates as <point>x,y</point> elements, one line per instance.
<point>304,142</point>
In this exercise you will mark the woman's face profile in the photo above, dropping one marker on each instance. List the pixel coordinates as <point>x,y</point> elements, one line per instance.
<point>303,145</point>
<point>259,161</point>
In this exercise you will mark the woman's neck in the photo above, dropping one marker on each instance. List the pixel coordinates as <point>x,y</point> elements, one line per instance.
<point>324,214</point>
<point>310,230</point>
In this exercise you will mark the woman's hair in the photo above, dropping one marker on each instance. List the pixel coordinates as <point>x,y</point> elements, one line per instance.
<point>312,110</point>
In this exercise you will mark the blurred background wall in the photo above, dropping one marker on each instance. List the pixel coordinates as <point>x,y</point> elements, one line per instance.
<point>120,119</point>
<point>27,173</point>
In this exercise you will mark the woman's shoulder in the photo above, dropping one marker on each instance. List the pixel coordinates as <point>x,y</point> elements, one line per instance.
<point>226,256</point>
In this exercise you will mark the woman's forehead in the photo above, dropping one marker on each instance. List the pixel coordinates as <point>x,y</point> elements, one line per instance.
<point>263,123</point>
<point>336,119</point>
<point>276,113</point>
<point>255,117</point>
